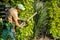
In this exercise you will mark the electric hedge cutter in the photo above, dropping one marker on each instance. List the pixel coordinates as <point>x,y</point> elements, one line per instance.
<point>26,21</point>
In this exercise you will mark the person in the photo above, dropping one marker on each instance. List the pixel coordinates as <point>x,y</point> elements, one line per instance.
<point>12,17</point>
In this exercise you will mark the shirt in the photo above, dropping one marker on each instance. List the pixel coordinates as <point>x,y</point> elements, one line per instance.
<point>11,15</point>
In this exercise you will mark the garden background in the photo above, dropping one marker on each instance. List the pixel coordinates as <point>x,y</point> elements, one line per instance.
<point>45,23</point>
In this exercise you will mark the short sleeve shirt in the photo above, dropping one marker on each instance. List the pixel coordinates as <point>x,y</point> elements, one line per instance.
<point>11,14</point>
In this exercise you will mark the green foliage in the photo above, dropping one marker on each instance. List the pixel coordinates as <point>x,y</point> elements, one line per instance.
<point>40,20</point>
<point>54,14</point>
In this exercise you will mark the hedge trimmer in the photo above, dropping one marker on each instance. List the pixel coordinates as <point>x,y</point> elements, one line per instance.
<point>27,19</point>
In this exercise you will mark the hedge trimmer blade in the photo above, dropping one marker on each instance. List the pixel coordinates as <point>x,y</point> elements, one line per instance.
<point>32,16</point>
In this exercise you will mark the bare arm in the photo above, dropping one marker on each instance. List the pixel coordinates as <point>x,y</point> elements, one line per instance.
<point>16,22</point>
<point>14,14</point>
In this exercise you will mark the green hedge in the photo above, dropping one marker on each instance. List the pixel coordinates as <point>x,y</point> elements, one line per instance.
<point>54,14</point>
<point>48,8</point>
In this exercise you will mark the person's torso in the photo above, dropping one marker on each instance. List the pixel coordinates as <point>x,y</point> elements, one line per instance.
<point>10,14</point>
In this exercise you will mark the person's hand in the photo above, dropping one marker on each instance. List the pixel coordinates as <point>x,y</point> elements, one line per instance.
<point>24,23</point>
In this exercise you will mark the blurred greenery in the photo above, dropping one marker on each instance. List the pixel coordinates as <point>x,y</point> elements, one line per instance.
<point>46,21</point>
<point>41,18</point>
<point>54,14</point>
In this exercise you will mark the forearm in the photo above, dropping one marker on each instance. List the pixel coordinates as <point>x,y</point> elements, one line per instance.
<point>21,19</point>
<point>17,24</point>
<point>20,25</point>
